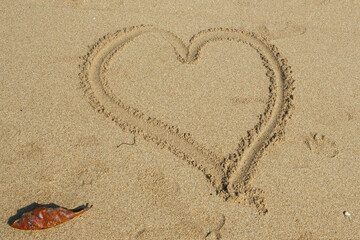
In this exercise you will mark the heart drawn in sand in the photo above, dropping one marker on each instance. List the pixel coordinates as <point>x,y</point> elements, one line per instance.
<point>229,175</point>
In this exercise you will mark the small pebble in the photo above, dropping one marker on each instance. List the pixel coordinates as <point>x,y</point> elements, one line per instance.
<point>346,213</point>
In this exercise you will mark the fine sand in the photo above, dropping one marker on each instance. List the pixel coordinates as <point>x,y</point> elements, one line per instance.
<point>182,120</point>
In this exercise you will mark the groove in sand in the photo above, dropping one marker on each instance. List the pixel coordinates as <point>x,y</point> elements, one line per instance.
<point>229,175</point>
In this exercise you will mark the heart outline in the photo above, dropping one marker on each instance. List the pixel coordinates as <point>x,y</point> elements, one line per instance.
<point>229,175</point>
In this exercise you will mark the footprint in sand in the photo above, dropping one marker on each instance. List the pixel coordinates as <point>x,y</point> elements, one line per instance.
<point>280,31</point>
<point>160,190</point>
<point>185,229</point>
<point>163,194</point>
<point>321,145</point>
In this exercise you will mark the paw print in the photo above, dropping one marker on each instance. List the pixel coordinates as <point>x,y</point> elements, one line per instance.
<point>321,145</point>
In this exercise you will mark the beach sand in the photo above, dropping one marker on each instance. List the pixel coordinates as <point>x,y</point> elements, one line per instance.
<point>182,120</point>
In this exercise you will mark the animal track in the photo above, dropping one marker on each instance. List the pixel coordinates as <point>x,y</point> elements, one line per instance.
<point>229,175</point>
<point>321,145</point>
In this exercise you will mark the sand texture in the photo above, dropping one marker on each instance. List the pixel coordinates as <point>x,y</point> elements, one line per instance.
<point>182,119</point>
